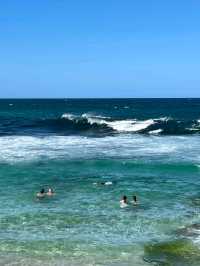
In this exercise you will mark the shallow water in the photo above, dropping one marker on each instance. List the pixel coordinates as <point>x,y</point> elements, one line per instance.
<point>82,224</point>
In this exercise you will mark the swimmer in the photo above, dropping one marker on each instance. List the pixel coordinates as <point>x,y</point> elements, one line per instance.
<point>106,183</point>
<point>123,202</point>
<point>50,192</point>
<point>41,194</point>
<point>134,201</point>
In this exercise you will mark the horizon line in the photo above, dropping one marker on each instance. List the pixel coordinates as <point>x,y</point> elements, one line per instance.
<point>92,98</point>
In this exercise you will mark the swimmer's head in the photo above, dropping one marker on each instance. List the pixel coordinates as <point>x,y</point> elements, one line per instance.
<point>125,198</point>
<point>134,198</point>
<point>42,191</point>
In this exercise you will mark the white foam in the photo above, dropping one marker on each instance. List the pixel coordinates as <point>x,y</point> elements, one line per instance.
<point>86,115</point>
<point>91,119</point>
<point>108,183</point>
<point>156,131</point>
<point>163,119</point>
<point>193,129</point>
<point>26,148</point>
<point>94,119</point>
<point>130,125</point>
<point>68,116</point>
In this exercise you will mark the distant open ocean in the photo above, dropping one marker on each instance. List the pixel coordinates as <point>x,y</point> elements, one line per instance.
<point>145,147</point>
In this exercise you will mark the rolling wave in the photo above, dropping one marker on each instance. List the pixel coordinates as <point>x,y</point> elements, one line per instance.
<point>96,125</point>
<point>161,126</point>
<point>106,123</point>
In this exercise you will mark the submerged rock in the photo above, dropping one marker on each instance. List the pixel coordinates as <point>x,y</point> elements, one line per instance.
<point>196,201</point>
<point>192,231</point>
<point>173,253</point>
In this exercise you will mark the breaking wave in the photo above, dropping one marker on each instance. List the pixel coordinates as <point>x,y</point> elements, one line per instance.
<point>163,125</point>
<point>86,121</point>
<point>96,125</point>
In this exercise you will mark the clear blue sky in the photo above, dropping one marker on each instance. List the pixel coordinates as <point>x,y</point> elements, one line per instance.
<point>100,48</point>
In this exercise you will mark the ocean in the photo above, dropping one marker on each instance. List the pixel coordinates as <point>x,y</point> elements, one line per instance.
<point>146,147</point>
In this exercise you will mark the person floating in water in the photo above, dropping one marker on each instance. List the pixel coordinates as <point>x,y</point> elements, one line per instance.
<point>50,192</point>
<point>135,201</point>
<point>41,194</point>
<point>106,183</point>
<point>124,202</point>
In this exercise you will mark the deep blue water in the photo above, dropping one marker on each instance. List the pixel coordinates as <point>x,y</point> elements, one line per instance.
<point>145,147</point>
<point>94,117</point>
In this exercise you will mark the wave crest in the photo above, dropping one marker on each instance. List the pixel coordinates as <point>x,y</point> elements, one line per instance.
<point>96,125</point>
<point>163,125</point>
<point>132,125</point>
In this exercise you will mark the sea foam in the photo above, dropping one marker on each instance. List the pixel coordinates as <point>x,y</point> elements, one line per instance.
<point>27,148</point>
<point>132,125</point>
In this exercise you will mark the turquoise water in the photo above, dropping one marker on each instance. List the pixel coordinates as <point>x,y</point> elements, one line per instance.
<point>83,224</point>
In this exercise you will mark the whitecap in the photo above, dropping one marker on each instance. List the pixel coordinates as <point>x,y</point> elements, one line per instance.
<point>121,126</point>
<point>68,116</point>
<point>156,131</point>
<point>86,115</point>
<point>130,125</point>
<point>163,119</point>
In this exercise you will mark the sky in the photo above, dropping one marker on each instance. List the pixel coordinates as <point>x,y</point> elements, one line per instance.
<point>99,48</point>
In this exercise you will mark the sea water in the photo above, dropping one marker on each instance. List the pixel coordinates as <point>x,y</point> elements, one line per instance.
<point>148,148</point>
